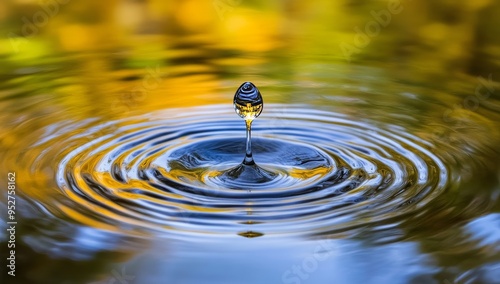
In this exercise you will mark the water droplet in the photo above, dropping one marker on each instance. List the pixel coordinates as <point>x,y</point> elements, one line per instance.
<point>248,102</point>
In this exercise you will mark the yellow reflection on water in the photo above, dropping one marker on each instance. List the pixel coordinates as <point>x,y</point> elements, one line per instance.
<point>113,59</point>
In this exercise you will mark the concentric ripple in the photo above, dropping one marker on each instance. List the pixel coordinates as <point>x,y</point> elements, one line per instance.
<point>162,172</point>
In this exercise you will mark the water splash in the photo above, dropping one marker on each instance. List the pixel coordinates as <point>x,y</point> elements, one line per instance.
<point>161,172</point>
<point>248,104</point>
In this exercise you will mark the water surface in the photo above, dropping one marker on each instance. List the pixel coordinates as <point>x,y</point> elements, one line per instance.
<point>384,174</point>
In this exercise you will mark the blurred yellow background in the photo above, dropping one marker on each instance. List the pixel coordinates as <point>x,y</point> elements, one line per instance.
<point>432,35</point>
<point>125,53</point>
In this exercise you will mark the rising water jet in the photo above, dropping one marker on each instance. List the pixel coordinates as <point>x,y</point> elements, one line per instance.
<point>248,104</point>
